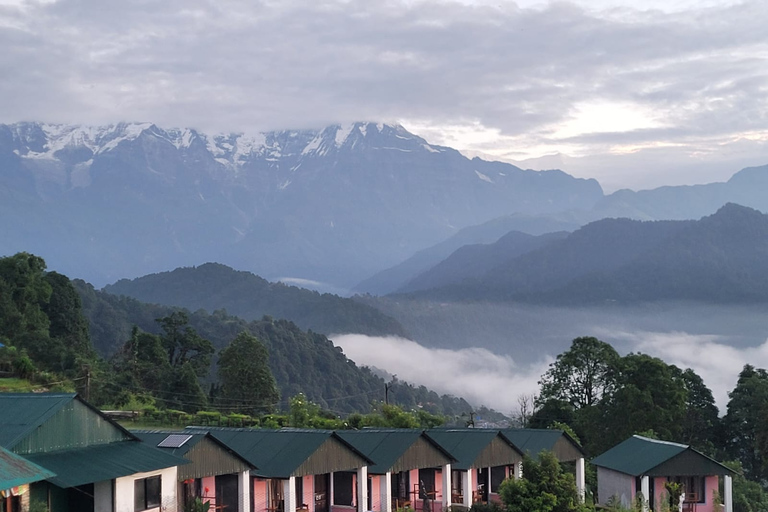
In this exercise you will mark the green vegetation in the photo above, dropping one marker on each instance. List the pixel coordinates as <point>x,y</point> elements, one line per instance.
<point>300,361</point>
<point>214,286</point>
<point>545,488</point>
<point>605,398</point>
<point>168,363</point>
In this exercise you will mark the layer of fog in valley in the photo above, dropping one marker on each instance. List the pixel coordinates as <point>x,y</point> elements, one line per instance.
<point>493,354</point>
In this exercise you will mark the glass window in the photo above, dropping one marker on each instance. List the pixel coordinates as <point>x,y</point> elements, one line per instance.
<point>146,493</point>
<point>343,484</point>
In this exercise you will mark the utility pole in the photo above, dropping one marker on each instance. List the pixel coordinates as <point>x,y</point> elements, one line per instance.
<point>87,391</point>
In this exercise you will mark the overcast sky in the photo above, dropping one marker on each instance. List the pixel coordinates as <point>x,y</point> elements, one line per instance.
<point>674,93</point>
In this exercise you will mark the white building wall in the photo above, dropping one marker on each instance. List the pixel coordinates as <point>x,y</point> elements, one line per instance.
<point>612,483</point>
<point>124,486</point>
<point>103,495</point>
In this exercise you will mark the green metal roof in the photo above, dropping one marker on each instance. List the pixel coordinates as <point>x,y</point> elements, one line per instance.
<point>15,470</point>
<point>386,446</point>
<point>275,453</point>
<point>103,462</point>
<point>640,455</point>
<point>24,412</point>
<point>532,441</point>
<point>466,444</point>
<point>155,437</point>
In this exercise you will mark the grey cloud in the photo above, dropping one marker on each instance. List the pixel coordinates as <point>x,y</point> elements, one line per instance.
<point>261,65</point>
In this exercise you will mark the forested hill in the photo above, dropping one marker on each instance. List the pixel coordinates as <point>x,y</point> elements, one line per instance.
<point>720,258</point>
<point>213,286</point>
<point>301,361</point>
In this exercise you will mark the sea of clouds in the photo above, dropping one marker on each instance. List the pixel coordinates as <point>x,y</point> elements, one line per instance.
<point>496,380</point>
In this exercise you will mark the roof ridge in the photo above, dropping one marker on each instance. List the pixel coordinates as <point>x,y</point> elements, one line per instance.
<point>659,441</point>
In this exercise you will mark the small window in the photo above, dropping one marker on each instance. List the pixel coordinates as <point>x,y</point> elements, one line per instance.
<point>146,493</point>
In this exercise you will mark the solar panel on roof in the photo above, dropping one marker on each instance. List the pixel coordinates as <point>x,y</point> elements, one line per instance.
<point>174,441</point>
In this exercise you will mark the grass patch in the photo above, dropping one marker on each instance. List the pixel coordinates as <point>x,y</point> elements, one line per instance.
<point>14,385</point>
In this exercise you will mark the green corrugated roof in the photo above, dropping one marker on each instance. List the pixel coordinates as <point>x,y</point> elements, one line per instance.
<point>533,441</point>
<point>276,453</point>
<point>24,412</point>
<point>103,462</point>
<point>386,446</point>
<point>639,455</point>
<point>465,444</point>
<point>155,437</point>
<point>15,470</point>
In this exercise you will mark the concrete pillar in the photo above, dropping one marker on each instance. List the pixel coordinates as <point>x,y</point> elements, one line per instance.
<point>244,486</point>
<point>447,486</point>
<point>728,493</point>
<point>331,497</point>
<point>488,489</point>
<point>581,485</point>
<point>466,486</point>
<point>385,488</point>
<point>645,488</point>
<point>362,489</point>
<point>289,494</point>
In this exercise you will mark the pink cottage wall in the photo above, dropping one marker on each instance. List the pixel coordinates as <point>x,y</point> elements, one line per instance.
<point>209,483</point>
<point>711,483</point>
<point>259,495</point>
<point>376,492</point>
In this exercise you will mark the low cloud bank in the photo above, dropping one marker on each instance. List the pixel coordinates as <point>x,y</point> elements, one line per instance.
<point>495,380</point>
<point>717,362</point>
<point>475,374</point>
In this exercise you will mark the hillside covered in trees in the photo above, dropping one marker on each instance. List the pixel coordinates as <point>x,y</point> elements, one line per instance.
<point>722,258</point>
<point>214,286</point>
<point>115,349</point>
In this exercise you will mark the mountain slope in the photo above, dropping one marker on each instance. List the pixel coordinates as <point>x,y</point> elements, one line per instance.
<point>394,278</point>
<point>301,361</point>
<point>332,205</point>
<point>473,261</point>
<point>213,286</point>
<point>721,258</point>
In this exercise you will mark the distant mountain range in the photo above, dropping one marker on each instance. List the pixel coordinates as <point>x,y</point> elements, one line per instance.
<point>721,258</point>
<point>748,187</point>
<point>215,287</point>
<point>333,205</point>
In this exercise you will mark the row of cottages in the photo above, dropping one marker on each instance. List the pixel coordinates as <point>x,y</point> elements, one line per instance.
<point>63,452</point>
<point>80,460</point>
<point>378,470</point>
<point>643,465</point>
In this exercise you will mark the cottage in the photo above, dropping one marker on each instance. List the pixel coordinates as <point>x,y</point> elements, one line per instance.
<point>484,459</point>
<point>16,473</point>
<point>405,469</point>
<point>299,470</point>
<point>215,473</point>
<point>532,441</point>
<point>97,464</point>
<point>643,465</point>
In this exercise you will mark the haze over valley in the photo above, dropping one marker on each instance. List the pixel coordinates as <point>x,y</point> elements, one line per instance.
<point>467,182</point>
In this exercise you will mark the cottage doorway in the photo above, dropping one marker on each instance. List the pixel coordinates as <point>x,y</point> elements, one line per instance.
<point>227,493</point>
<point>322,483</point>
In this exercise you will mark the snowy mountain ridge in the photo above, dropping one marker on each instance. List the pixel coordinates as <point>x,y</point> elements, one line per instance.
<point>333,205</point>
<point>233,150</point>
